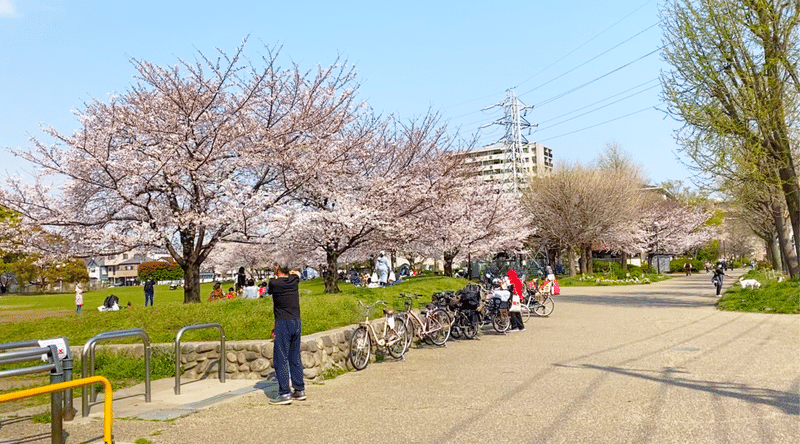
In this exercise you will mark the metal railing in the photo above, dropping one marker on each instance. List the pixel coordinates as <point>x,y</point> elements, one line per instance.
<point>67,364</point>
<point>87,362</point>
<point>178,352</point>
<point>68,385</point>
<point>54,366</point>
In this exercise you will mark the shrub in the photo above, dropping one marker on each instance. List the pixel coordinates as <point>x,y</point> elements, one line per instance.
<point>676,265</point>
<point>160,271</point>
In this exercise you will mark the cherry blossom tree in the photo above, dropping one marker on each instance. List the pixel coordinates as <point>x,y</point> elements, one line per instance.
<point>189,156</point>
<point>475,218</point>
<point>390,174</point>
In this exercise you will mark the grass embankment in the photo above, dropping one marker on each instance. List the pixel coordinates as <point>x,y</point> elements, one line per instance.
<point>242,319</point>
<point>771,297</point>
<point>604,280</point>
<point>47,316</point>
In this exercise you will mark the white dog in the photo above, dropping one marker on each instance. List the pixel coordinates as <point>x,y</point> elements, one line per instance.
<point>749,283</point>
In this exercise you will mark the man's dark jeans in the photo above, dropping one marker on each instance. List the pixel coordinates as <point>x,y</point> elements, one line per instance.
<point>286,355</point>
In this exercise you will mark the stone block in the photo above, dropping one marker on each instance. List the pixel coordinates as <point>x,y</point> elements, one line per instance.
<point>240,357</point>
<point>238,347</point>
<point>230,356</point>
<point>253,376</point>
<point>266,351</point>
<point>252,348</point>
<point>189,365</point>
<point>238,376</point>
<point>303,346</point>
<point>307,359</point>
<point>244,368</point>
<point>267,373</point>
<point>312,346</point>
<point>187,348</point>
<point>251,356</point>
<point>201,367</point>
<point>311,373</point>
<point>204,347</point>
<point>327,341</point>
<point>259,365</point>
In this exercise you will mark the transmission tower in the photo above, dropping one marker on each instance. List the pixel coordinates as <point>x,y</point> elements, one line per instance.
<point>512,141</point>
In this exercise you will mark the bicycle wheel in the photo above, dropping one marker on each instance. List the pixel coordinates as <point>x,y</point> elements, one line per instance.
<point>501,322</point>
<point>544,308</point>
<point>456,329</point>
<point>360,348</point>
<point>410,331</point>
<point>525,311</point>
<point>397,340</point>
<point>440,323</point>
<point>469,328</point>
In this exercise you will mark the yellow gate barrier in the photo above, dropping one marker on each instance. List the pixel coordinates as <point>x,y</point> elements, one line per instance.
<point>107,402</point>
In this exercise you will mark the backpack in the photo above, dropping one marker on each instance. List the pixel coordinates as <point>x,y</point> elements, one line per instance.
<point>110,301</point>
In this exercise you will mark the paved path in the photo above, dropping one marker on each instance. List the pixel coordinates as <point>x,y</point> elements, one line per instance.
<point>640,364</point>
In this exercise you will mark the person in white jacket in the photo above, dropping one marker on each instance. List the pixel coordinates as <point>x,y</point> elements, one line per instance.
<point>382,267</point>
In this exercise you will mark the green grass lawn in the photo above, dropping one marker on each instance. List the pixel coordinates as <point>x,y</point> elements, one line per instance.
<point>241,319</point>
<point>772,297</point>
<point>601,280</point>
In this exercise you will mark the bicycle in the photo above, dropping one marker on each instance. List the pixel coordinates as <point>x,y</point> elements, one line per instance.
<point>539,301</point>
<point>462,324</point>
<point>392,338</point>
<point>494,311</point>
<point>435,328</point>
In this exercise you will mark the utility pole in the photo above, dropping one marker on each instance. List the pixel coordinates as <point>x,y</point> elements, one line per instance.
<point>512,141</point>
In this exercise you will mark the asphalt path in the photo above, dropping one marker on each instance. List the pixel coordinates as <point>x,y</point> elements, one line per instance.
<point>634,364</point>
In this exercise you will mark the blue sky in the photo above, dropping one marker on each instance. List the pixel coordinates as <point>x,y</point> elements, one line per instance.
<point>453,57</point>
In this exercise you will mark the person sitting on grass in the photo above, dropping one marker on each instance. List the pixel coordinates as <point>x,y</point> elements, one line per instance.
<point>231,294</point>
<point>216,293</point>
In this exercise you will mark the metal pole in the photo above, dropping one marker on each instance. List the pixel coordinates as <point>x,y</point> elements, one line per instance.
<point>222,360</point>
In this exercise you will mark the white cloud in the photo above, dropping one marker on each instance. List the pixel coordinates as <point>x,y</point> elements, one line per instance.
<point>7,8</point>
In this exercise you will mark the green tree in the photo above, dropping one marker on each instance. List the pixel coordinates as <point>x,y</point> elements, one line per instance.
<point>734,85</point>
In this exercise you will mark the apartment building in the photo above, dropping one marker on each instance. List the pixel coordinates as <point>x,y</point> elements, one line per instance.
<point>534,159</point>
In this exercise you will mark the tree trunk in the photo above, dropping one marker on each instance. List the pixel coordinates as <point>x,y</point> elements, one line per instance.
<point>589,260</point>
<point>624,260</point>
<point>571,259</point>
<point>332,278</point>
<point>788,255</point>
<point>191,282</point>
<point>774,254</point>
<point>448,262</point>
<point>791,192</point>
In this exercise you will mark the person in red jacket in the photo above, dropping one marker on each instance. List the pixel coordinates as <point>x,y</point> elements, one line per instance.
<point>516,298</point>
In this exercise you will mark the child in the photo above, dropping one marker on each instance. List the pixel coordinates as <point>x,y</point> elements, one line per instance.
<point>230,294</point>
<point>262,290</point>
<point>78,297</point>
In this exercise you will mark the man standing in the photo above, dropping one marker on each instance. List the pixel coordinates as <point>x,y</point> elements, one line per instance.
<point>288,329</point>
<point>148,291</point>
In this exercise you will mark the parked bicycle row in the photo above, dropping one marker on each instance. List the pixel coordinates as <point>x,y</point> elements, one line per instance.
<point>494,302</point>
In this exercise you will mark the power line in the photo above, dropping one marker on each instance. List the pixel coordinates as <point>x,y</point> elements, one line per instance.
<point>584,43</point>
<point>554,63</point>
<point>556,97</point>
<point>598,108</point>
<point>598,124</point>
<point>592,59</point>
<point>599,101</point>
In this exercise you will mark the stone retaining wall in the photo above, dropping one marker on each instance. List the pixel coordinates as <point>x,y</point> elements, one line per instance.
<point>251,359</point>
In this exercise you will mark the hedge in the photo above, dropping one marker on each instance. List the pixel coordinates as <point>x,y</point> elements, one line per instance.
<point>160,271</point>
